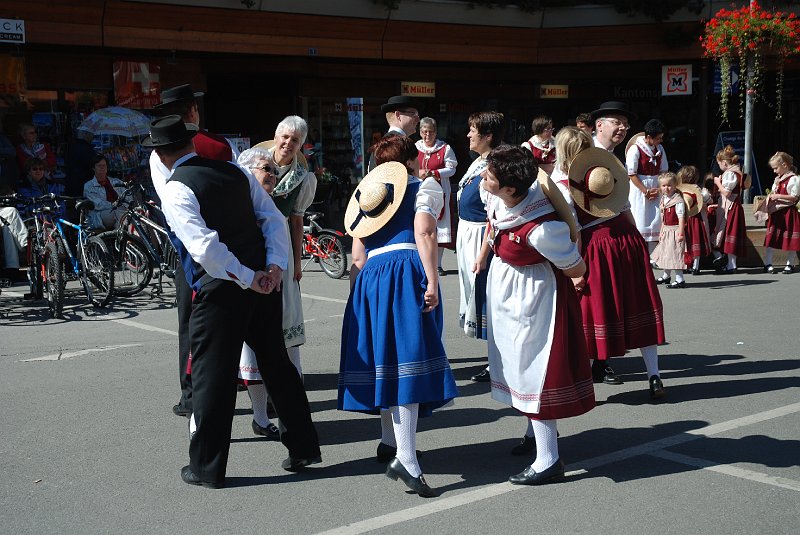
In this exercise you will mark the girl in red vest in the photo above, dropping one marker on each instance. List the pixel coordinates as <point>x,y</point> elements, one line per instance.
<point>730,234</point>
<point>783,226</point>
<point>668,254</point>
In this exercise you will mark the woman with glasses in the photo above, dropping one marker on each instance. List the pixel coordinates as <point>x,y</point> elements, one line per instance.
<point>35,184</point>
<point>541,143</point>
<point>31,147</point>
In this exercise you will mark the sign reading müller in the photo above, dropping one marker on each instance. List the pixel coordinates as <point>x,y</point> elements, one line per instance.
<point>418,89</point>
<point>12,31</point>
<point>676,80</point>
<point>553,91</point>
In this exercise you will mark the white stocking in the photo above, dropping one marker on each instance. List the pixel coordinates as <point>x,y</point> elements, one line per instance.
<point>696,263</point>
<point>678,275</point>
<point>546,433</point>
<point>387,429</point>
<point>258,397</point>
<point>650,356</point>
<point>731,261</point>
<point>791,258</point>
<point>404,420</point>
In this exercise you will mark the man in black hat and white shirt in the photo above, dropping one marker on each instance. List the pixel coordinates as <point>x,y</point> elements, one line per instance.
<point>612,122</point>
<point>236,249</point>
<point>402,116</point>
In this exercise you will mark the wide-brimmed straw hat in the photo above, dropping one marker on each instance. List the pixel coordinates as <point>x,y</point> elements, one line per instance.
<point>376,199</point>
<point>559,203</point>
<point>693,198</point>
<point>632,141</point>
<point>270,144</point>
<point>598,182</point>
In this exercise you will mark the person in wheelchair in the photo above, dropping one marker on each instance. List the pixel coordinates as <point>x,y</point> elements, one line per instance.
<point>103,190</point>
<point>13,241</point>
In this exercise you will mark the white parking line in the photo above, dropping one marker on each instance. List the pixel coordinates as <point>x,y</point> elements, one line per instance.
<point>69,354</point>
<point>145,327</point>
<point>491,491</point>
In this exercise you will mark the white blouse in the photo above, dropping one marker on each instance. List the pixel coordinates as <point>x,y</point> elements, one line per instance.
<point>429,197</point>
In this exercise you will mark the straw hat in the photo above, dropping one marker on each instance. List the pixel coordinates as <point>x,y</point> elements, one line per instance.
<point>692,197</point>
<point>598,182</point>
<point>632,141</point>
<point>376,199</point>
<point>268,145</point>
<point>559,203</point>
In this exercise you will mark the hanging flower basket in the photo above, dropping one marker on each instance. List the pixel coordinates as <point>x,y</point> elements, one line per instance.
<point>746,36</point>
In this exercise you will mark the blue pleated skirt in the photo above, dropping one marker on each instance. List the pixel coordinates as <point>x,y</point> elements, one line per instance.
<point>392,352</point>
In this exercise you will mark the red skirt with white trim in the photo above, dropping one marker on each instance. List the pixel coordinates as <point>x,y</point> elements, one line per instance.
<point>735,231</point>
<point>698,241</point>
<point>783,230</point>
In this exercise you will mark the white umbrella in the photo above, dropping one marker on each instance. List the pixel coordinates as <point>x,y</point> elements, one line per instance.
<point>117,121</point>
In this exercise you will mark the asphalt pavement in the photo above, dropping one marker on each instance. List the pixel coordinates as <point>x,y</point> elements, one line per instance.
<point>89,444</point>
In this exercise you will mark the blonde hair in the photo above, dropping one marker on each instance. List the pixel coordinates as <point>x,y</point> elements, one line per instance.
<point>782,157</point>
<point>688,174</point>
<point>668,176</point>
<point>570,140</point>
<point>728,154</point>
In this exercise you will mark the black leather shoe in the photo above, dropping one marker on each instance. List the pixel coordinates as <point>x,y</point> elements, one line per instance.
<point>483,377</point>
<point>769,269</point>
<point>663,280</point>
<point>180,410</point>
<point>529,476</point>
<point>656,387</point>
<point>442,272</point>
<point>603,373</point>
<point>788,270</point>
<point>720,262</point>
<point>676,285</point>
<point>695,271</point>
<point>271,431</point>
<point>525,446</point>
<point>189,477</point>
<point>292,464</point>
<point>417,484</point>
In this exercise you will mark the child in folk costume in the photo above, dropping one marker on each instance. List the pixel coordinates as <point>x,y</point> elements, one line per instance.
<point>620,302</point>
<point>668,254</point>
<point>783,225</point>
<point>536,353</point>
<point>541,144</point>
<point>696,235</point>
<point>730,232</point>
<point>645,160</point>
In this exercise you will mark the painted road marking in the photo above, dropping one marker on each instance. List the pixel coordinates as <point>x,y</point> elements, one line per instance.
<point>69,354</point>
<point>321,298</point>
<point>145,327</point>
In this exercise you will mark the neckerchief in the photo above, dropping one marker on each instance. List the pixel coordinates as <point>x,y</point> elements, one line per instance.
<point>648,150</point>
<point>544,146</point>
<point>668,202</point>
<point>475,169</point>
<point>291,177</point>
<point>534,205</point>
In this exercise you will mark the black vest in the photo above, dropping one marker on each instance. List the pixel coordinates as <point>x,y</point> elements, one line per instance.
<point>223,192</point>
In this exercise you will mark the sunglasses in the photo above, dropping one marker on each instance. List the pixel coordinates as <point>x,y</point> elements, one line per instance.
<point>266,169</point>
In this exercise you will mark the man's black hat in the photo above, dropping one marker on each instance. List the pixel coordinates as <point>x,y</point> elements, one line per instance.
<point>178,94</point>
<point>613,107</point>
<point>169,130</point>
<point>398,102</point>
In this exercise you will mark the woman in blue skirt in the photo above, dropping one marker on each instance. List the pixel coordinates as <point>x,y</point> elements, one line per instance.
<point>392,360</point>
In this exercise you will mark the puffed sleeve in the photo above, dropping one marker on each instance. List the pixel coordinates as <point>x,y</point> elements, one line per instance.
<point>793,187</point>
<point>429,198</point>
<point>450,163</point>
<point>680,209</point>
<point>706,196</point>
<point>306,196</point>
<point>729,180</point>
<point>552,240</point>
<point>632,160</point>
<point>664,162</point>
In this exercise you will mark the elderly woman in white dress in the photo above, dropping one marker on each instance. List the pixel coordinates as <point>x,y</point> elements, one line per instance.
<point>437,159</point>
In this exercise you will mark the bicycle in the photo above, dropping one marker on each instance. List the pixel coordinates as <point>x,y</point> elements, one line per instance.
<point>323,245</point>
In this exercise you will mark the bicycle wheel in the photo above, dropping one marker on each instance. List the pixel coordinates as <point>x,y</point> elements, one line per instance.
<point>98,268</point>
<point>333,257</point>
<point>133,268</point>
<point>35,270</point>
<point>54,280</point>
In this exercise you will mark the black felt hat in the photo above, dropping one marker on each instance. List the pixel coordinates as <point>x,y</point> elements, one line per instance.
<point>613,107</point>
<point>169,130</point>
<point>398,102</point>
<point>178,93</point>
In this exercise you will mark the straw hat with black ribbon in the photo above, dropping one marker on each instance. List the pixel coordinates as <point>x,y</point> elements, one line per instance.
<point>693,198</point>
<point>559,203</point>
<point>376,199</point>
<point>598,182</point>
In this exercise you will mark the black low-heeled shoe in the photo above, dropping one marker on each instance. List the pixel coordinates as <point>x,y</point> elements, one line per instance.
<point>529,476</point>
<point>295,464</point>
<point>271,431</point>
<point>396,470</point>
<point>189,477</point>
<point>663,280</point>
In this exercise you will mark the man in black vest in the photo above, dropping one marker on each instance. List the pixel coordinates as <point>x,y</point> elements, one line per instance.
<point>237,248</point>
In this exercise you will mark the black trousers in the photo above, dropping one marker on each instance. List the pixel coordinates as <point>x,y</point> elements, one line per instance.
<point>223,317</point>
<point>183,295</point>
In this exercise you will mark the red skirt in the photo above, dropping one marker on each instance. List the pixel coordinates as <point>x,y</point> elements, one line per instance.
<point>783,230</point>
<point>698,242</point>
<point>568,389</point>
<point>621,305</point>
<point>735,231</point>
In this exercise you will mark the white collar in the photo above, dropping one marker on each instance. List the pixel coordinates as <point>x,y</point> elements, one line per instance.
<point>183,159</point>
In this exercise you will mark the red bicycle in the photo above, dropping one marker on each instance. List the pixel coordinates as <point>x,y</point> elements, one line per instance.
<point>323,245</point>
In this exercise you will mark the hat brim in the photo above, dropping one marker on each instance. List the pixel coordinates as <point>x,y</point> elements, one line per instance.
<point>553,193</point>
<point>191,130</point>
<point>610,205</point>
<point>394,173</point>
<point>160,105</point>
<point>602,112</point>
<point>270,144</point>
<point>632,141</point>
<point>698,195</point>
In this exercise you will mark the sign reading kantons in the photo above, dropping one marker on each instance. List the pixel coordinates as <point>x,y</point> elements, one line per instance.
<point>418,89</point>
<point>676,80</point>
<point>553,91</point>
<point>12,31</point>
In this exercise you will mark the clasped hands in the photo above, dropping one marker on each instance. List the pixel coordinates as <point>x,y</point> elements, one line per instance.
<point>266,282</point>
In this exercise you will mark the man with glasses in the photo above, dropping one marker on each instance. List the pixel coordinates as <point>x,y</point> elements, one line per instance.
<point>611,124</point>
<point>403,117</point>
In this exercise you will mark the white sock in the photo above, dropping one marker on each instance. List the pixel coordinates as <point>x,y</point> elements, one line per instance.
<point>546,433</point>
<point>294,357</point>
<point>767,256</point>
<point>678,275</point>
<point>258,397</point>
<point>650,356</point>
<point>387,429</point>
<point>731,261</point>
<point>404,420</point>
<point>665,275</point>
<point>791,258</point>
<point>192,426</point>
<point>696,263</point>
<point>529,430</point>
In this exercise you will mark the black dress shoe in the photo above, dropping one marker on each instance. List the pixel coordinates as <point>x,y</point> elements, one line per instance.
<point>529,476</point>
<point>695,271</point>
<point>483,377</point>
<point>676,285</point>
<point>720,262</point>
<point>417,484</point>
<point>181,410</point>
<point>603,373</point>
<point>271,431</point>
<point>525,446</point>
<point>788,270</point>
<point>663,280</point>
<point>656,387</point>
<point>189,477</point>
<point>769,269</point>
<point>292,464</point>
